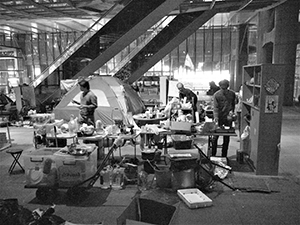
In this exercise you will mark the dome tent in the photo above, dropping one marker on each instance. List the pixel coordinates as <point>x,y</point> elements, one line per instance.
<point>112,94</point>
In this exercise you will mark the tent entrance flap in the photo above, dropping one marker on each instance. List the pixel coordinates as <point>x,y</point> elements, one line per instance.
<point>101,98</point>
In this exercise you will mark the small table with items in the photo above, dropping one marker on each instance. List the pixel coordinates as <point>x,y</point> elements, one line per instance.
<point>151,135</point>
<point>124,137</point>
<point>41,118</point>
<point>217,132</point>
<point>60,140</point>
<point>98,139</point>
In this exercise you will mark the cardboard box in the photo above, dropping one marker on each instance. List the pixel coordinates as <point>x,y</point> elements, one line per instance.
<point>145,211</point>
<point>194,198</point>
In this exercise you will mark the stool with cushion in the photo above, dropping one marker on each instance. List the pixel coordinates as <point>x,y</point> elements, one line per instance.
<point>15,153</point>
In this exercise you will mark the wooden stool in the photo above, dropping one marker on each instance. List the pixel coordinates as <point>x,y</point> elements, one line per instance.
<point>15,153</point>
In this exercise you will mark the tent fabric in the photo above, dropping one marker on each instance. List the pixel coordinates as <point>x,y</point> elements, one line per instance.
<point>66,85</point>
<point>114,97</point>
<point>4,99</point>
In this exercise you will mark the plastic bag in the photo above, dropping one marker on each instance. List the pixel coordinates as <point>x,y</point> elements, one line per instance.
<point>221,172</point>
<point>246,133</point>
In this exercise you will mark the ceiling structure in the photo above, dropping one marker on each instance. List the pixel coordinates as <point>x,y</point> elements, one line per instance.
<point>39,16</point>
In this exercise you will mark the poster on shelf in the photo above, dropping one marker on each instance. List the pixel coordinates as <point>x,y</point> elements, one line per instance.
<point>271,105</point>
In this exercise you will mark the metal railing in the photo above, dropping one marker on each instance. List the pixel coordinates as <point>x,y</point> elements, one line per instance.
<point>74,46</point>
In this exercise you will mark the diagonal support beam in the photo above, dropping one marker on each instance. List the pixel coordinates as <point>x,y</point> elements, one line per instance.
<point>164,9</point>
<point>173,43</point>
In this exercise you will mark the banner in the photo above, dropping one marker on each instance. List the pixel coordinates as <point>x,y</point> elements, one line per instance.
<point>188,62</point>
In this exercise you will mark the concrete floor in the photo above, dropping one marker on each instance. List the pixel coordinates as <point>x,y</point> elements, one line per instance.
<point>281,205</point>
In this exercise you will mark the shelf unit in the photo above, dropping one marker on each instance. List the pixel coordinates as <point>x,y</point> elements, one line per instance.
<point>263,86</point>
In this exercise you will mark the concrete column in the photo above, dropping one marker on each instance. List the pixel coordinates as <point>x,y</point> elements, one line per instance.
<point>240,54</point>
<point>285,43</point>
<point>265,25</point>
<point>233,58</point>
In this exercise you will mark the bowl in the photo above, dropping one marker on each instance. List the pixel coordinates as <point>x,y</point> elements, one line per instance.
<point>89,132</point>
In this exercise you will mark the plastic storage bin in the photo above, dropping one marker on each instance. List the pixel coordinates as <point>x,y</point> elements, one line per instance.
<point>74,169</point>
<point>194,198</point>
<point>40,167</point>
<point>182,141</point>
<point>183,179</point>
<point>163,176</point>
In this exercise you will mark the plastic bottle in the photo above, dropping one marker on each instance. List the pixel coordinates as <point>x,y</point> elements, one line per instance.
<point>99,126</point>
<point>118,178</point>
<point>156,111</point>
<point>106,174</point>
<point>72,125</point>
<point>117,116</point>
<point>47,166</point>
<point>76,125</point>
<point>142,180</point>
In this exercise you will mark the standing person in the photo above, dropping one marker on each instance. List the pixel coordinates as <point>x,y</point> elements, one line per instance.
<point>190,97</point>
<point>135,87</point>
<point>213,88</point>
<point>224,105</point>
<point>88,103</point>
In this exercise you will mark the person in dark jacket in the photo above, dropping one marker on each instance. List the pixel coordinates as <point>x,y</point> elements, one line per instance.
<point>224,105</point>
<point>213,88</point>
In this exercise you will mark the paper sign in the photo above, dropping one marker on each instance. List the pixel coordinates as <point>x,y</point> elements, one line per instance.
<point>271,105</point>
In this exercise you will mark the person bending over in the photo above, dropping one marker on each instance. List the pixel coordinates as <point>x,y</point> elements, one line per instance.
<point>190,97</point>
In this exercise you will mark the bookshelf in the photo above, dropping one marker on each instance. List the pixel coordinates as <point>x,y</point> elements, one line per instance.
<point>263,87</point>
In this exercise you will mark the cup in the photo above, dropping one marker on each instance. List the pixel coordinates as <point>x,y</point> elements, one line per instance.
<point>147,114</point>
